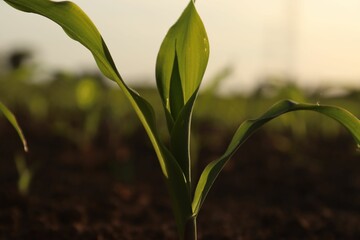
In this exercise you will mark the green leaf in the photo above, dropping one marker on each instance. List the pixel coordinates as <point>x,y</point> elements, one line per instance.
<point>12,119</point>
<point>180,139</point>
<point>80,28</point>
<point>180,66</point>
<point>247,128</point>
<point>182,60</point>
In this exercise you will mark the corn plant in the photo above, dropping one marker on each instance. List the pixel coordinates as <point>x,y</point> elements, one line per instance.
<point>25,174</point>
<point>180,66</point>
<point>12,119</point>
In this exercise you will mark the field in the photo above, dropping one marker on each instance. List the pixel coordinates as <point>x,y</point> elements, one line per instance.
<point>94,174</point>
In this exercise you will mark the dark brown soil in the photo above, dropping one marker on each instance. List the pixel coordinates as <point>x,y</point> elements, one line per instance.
<point>274,188</point>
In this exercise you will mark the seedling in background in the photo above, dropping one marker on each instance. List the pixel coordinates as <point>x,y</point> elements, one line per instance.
<point>87,93</point>
<point>12,119</point>
<point>25,174</point>
<point>180,67</point>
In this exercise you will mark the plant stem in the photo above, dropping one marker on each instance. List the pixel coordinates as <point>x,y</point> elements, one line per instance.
<point>191,229</point>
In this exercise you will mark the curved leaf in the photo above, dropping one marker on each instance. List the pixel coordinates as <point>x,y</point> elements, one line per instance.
<point>180,66</point>
<point>247,128</point>
<point>182,60</point>
<point>12,119</point>
<point>80,28</point>
<point>180,138</point>
<point>181,63</point>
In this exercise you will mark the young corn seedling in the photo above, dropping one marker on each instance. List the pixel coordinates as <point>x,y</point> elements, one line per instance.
<point>25,174</point>
<point>12,119</point>
<point>180,67</point>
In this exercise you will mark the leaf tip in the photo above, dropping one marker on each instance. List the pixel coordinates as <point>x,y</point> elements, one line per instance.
<point>26,148</point>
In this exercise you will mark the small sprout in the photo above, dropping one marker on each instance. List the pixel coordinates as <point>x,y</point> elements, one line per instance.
<point>12,119</point>
<point>86,93</point>
<point>25,174</point>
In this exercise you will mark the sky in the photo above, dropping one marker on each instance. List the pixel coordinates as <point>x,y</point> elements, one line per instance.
<point>316,41</point>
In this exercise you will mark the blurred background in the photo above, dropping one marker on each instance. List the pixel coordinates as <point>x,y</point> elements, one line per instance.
<point>85,140</point>
<point>260,51</point>
<point>312,42</point>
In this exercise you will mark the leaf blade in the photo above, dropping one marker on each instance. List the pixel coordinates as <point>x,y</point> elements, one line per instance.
<point>180,66</point>
<point>247,128</point>
<point>79,27</point>
<point>187,42</point>
<point>12,119</point>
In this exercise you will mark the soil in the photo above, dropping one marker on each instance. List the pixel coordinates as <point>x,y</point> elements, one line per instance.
<point>275,187</point>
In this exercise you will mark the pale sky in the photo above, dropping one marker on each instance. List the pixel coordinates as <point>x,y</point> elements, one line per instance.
<point>318,41</point>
